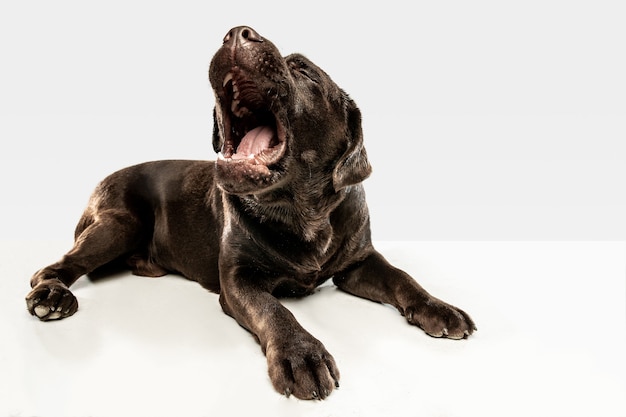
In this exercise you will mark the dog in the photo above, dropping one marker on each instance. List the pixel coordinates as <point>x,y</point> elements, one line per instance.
<point>281,211</point>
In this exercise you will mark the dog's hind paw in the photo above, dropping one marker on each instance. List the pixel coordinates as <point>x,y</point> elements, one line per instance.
<point>51,300</point>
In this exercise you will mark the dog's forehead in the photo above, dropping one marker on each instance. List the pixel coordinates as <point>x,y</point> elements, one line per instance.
<point>321,81</point>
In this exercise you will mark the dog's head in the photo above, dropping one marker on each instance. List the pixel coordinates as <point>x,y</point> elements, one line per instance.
<point>278,119</point>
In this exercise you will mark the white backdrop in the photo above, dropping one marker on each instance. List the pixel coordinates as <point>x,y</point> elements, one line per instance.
<point>483,120</point>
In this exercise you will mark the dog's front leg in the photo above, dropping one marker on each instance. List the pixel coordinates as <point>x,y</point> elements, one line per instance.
<point>298,363</point>
<point>377,280</point>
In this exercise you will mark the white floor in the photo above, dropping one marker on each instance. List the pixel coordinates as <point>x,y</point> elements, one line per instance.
<point>551,341</point>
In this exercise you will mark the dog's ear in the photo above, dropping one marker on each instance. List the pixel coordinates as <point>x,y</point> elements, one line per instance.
<point>217,143</point>
<point>353,167</point>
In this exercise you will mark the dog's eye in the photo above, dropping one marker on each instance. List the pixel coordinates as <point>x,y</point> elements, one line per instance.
<point>308,75</point>
<point>302,69</point>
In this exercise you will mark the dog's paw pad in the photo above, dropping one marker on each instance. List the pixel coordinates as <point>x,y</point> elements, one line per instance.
<point>41,311</point>
<point>51,300</point>
<point>45,313</point>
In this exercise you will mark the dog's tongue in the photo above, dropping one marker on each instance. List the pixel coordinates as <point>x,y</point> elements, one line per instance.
<point>254,142</point>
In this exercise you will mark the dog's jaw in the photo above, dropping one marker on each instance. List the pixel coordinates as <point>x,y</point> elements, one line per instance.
<point>252,132</point>
<point>252,161</point>
<point>249,78</point>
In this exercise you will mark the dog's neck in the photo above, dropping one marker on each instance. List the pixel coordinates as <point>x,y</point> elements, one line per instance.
<point>302,212</point>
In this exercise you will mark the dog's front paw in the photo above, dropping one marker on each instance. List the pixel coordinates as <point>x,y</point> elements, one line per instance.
<point>439,319</point>
<point>302,367</point>
<point>51,300</point>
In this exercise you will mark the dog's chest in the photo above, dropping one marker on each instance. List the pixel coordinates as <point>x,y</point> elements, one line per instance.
<point>308,261</point>
<point>298,286</point>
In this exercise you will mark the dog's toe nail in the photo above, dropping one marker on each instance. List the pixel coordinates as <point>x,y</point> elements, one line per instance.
<point>336,384</point>
<point>287,393</point>
<point>444,331</point>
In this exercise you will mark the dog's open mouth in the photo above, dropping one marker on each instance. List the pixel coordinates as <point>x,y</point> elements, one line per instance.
<point>253,133</point>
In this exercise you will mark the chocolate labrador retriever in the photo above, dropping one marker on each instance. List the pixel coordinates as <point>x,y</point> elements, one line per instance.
<point>281,211</point>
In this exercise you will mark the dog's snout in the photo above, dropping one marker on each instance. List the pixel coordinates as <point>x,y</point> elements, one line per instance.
<point>242,35</point>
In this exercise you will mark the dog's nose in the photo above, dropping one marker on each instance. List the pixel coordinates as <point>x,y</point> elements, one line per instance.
<point>241,35</point>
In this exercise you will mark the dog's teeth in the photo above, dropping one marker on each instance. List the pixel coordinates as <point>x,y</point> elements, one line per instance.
<point>233,106</point>
<point>228,77</point>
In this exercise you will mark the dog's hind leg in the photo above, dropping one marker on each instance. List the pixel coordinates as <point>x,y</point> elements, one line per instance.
<point>100,238</point>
